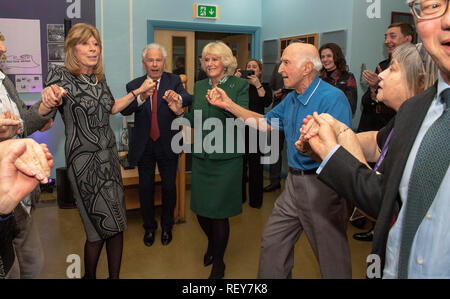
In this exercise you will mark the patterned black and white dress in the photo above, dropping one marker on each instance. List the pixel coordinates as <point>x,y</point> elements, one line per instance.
<point>91,154</point>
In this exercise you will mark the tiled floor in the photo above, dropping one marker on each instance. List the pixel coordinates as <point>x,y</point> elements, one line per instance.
<point>62,234</point>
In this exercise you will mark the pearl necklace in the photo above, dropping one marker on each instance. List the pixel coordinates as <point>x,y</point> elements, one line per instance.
<point>87,81</point>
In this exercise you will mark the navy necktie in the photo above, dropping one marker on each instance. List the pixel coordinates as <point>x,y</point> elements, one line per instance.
<point>430,166</point>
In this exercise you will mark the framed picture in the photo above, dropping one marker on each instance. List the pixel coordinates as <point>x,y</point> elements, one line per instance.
<point>55,33</point>
<point>55,52</point>
<point>312,39</point>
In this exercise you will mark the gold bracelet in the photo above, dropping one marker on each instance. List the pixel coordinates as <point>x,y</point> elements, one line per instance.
<point>347,128</point>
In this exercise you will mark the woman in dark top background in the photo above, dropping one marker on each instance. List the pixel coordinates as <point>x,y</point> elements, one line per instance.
<point>259,97</point>
<point>335,71</point>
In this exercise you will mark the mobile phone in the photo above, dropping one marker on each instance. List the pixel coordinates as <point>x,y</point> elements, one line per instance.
<point>246,74</point>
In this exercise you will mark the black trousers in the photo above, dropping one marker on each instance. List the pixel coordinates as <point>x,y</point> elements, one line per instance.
<point>252,165</point>
<point>275,169</point>
<point>154,154</point>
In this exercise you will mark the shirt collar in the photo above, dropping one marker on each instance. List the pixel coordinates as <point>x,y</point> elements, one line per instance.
<point>159,79</point>
<point>442,85</point>
<point>223,80</point>
<point>309,92</point>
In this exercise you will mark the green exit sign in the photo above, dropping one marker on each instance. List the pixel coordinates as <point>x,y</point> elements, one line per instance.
<point>206,11</point>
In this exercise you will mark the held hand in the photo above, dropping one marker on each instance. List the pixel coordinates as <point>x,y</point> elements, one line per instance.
<point>146,89</point>
<point>218,97</point>
<point>10,125</point>
<point>14,183</point>
<point>325,140</point>
<point>173,101</point>
<point>52,96</point>
<point>371,78</point>
<point>238,73</point>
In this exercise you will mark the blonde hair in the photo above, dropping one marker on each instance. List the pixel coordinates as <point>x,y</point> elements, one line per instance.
<point>419,69</point>
<point>78,34</point>
<point>220,49</point>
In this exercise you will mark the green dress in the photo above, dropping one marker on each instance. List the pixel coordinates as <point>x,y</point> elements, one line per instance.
<point>216,190</point>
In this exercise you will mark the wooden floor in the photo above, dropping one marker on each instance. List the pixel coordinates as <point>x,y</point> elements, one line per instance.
<point>62,234</point>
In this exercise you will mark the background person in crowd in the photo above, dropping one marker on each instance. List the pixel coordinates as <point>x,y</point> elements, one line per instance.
<point>151,140</point>
<point>335,71</point>
<point>20,120</point>
<point>92,160</point>
<point>216,192</point>
<point>23,164</point>
<point>374,114</point>
<point>410,197</point>
<point>259,97</point>
<point>306,204</point>
<point>279,93</point>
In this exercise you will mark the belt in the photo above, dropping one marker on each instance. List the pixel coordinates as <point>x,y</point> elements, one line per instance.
<point>296,171</point>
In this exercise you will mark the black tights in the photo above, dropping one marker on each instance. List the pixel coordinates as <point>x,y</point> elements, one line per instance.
<point>92,251</point>
<point>217,231</point>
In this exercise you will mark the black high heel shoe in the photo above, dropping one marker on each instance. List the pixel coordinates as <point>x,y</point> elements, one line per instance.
<point>207,259</point>
<point>217,272</point>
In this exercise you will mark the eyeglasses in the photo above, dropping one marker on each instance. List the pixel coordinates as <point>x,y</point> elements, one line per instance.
<point>428,9</point>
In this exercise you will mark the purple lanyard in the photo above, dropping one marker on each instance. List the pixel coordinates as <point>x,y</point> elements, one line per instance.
<point>384,151</point>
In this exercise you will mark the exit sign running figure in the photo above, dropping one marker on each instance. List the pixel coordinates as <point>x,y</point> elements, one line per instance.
<point>206,11</point>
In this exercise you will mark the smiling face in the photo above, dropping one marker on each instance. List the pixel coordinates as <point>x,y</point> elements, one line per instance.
<point>214,67</point>
<point>393,87</point>
<point>154,63</point>
<point>87,54</point>
<point>435,36</point>
<point>253,66</point>
<point>327,58</point>
<point>394,38</point>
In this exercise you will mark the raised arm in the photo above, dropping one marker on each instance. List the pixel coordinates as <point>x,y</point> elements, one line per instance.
<point>126,100</point>
<point>218,97</point>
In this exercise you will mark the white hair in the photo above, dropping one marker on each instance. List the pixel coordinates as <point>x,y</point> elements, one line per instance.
<point>154,46</point>
<point>314,60</point>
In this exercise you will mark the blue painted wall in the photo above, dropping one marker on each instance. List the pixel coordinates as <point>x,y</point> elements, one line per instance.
<point>277,18</point>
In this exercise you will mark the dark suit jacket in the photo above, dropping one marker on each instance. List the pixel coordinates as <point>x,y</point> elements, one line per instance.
<point>378,195</point>
<point>143,116</point>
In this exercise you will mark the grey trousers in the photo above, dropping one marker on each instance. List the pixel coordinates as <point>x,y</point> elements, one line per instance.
<point>309,205</point>
<point>28,248</point>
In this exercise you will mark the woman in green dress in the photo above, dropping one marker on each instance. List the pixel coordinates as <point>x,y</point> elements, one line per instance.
<point>216,191</point>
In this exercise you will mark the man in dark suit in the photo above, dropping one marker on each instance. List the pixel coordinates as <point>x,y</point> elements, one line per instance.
<point>410,198</point>
<point>150,141</point>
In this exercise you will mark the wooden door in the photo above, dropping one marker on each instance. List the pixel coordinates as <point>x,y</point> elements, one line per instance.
<point>180,47</point>
<point>240,46</point>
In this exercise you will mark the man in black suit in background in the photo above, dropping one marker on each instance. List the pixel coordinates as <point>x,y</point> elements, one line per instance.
<point>150,143</point>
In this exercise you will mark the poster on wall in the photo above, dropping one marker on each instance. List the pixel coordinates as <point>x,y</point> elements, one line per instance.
<point>23,41</point>
<point>29,83</point>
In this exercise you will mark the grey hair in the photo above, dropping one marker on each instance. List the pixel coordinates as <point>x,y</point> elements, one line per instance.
<point>153,46</point>
<point>317,63</point>
<point>418,66</point>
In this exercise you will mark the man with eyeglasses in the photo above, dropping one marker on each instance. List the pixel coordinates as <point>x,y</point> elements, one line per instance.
<point>411,197</point>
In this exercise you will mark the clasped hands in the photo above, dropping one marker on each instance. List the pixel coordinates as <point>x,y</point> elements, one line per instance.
<point>52,96</point>
<point>23,164</point>
<point>318,135</point>
<point>10,125</point>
